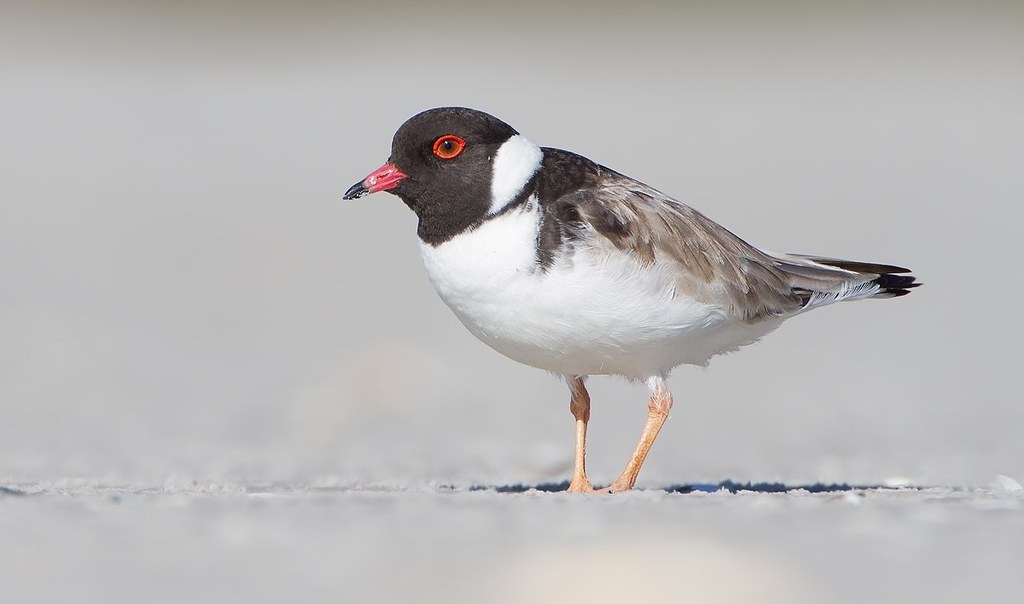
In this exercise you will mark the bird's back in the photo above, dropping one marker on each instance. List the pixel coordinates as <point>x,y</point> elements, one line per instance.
<point>707,261</point>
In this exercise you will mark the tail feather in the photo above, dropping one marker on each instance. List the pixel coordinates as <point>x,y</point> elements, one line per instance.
<point>819,280</point>
<point>851,265</point>
<point>896,285</point>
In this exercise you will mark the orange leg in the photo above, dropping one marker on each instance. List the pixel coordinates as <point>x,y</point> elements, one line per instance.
<point>657,412</point>
<point>579,404</point>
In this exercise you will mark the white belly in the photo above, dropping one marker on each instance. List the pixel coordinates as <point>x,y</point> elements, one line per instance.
<point>597,312</point>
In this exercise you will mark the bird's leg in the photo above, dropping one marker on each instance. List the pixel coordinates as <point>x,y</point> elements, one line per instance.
<point>579,404</point>
<point>657,412</point>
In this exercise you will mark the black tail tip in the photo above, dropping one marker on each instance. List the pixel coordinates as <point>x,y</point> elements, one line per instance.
<point>894,286</point>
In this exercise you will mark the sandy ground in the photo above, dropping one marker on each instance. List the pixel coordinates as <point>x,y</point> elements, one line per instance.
<point>88,542</point>
<point>218,382</point>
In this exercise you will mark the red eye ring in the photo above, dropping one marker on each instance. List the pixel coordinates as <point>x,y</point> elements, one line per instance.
<point>449,146</point>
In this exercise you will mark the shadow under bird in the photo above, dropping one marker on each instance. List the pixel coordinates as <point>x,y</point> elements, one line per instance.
<point>565,265</point>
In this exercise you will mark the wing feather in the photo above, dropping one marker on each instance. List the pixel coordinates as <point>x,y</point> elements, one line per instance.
<point>706,261</point>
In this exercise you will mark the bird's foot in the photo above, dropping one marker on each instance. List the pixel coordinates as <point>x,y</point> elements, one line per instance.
<point>580,485</point>
<point>584,486</point>
<point>616,487</point>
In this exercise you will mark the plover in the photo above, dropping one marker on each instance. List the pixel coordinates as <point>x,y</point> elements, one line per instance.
<point>565,265</point>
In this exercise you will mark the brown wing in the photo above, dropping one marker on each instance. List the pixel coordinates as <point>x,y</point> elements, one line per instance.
<point>709,263</point>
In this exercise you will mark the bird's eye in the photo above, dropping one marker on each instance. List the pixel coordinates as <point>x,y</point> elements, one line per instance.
<point>448,146</point>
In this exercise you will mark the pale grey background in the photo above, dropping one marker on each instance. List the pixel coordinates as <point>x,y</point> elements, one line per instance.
<point>184,296</point>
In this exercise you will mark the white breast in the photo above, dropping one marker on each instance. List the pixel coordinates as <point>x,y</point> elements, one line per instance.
<point>598,311</point>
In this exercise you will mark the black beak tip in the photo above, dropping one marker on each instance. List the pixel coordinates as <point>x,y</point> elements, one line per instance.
<point>355,191</point>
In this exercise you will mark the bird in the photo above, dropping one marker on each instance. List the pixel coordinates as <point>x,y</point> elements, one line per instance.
<point>563,264</point>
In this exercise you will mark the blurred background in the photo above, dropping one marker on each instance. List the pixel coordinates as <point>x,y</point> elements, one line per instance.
<point>251,391</point>
<point>182,290</point>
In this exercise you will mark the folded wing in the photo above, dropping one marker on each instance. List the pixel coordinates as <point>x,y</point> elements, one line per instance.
<point>714,266</point>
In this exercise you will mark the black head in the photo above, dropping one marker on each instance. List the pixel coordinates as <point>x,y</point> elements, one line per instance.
<point>441,166</point>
